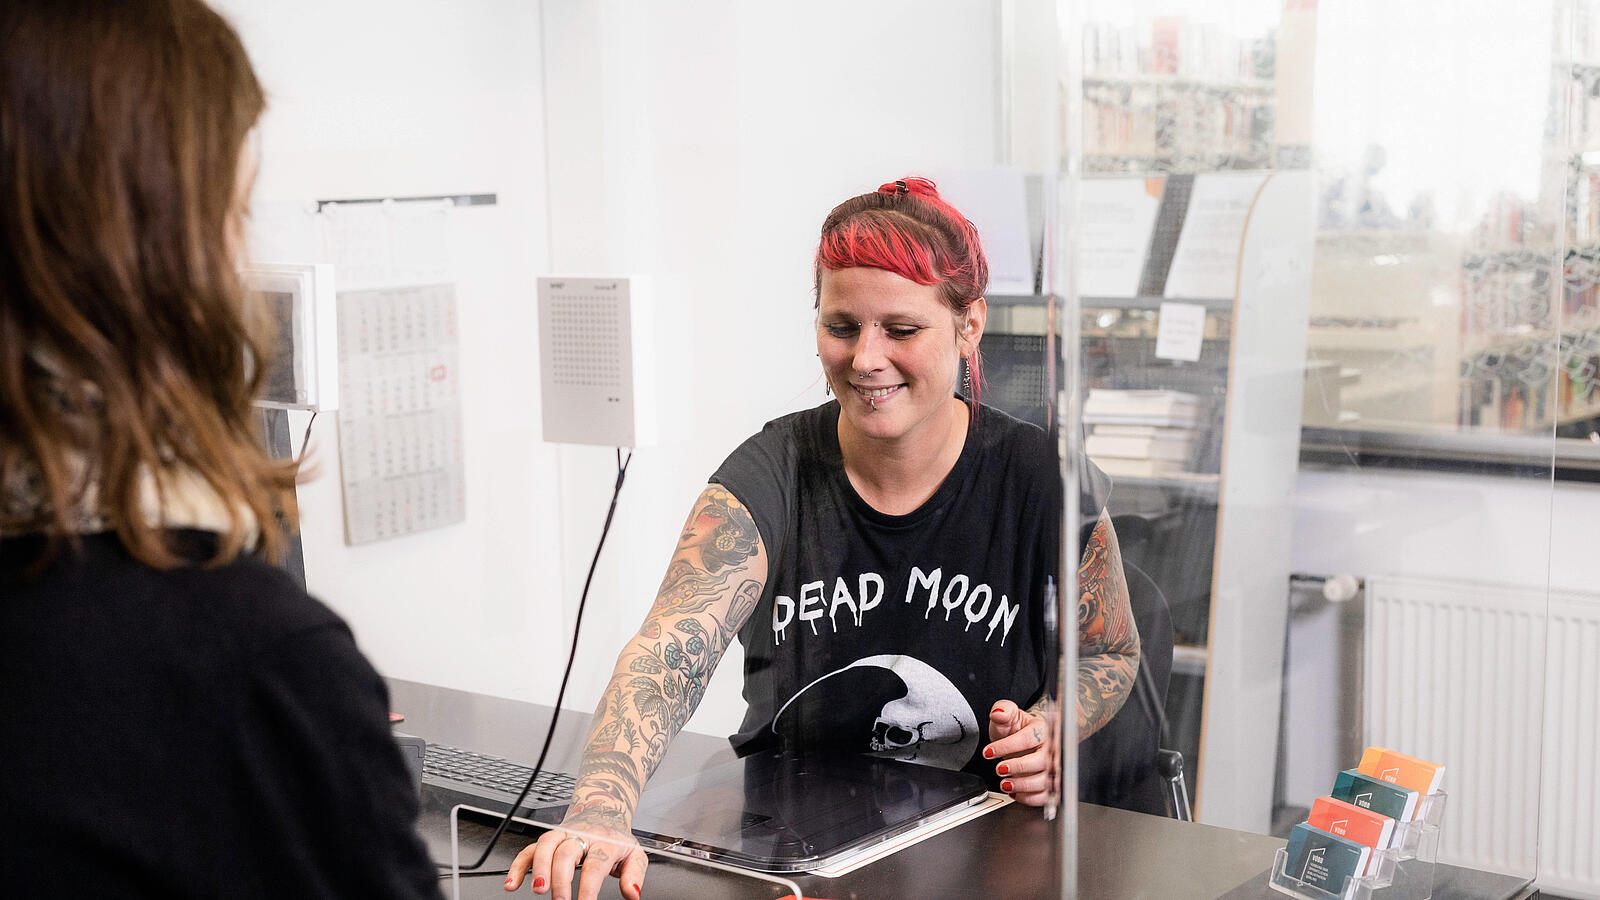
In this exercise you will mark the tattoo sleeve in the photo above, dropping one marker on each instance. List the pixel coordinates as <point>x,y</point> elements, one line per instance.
<point>1108,642</point>
<point>711,587</point>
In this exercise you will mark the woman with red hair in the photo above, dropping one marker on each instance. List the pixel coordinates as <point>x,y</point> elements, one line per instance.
<point>886,559</point>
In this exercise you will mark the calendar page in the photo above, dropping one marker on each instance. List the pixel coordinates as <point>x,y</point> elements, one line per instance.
<point>400,418</point>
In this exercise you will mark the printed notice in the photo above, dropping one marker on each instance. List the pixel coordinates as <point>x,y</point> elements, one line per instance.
<point>995,201</point>
<point>1205,263</point>
<point>1115,219</point>
<point>395,242</point>
<point>1180,331</point>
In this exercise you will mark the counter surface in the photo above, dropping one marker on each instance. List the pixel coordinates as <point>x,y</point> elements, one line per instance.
<point>1008,853</point>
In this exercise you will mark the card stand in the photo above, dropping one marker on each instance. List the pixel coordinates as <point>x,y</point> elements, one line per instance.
<point>1404,870</point>
<point>1411,836</point>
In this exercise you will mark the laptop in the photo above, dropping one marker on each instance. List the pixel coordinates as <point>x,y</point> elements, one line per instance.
<point>784,811</point>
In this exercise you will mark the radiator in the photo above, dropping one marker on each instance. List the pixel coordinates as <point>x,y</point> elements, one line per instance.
<point>1464,673</point>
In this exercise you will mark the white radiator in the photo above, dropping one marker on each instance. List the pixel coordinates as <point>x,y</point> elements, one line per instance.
<point>1463,673</point>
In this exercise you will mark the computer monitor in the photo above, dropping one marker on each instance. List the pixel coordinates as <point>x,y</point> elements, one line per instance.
<point>305,371</point>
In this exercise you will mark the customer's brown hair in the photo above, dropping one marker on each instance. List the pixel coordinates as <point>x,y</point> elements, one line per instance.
<point>125,341</point>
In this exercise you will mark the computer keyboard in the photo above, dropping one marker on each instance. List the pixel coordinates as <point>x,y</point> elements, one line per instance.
<point>492,782</point>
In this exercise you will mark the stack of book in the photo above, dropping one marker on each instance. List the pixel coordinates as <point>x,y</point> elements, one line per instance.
<point>1141,433</point>
<point>1365,815</point>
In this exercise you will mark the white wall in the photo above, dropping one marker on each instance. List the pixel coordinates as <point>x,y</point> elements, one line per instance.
<point>1491,530</point>
<point>1506,530</point>
<point>703,144</point>
<point>699,145</point>
<point>410,98</point>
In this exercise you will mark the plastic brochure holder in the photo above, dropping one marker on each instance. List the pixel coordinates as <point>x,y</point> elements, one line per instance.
<point>1404,869</point>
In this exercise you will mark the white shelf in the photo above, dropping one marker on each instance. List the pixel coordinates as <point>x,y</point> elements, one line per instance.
<point>1388,340</point>
<point>1523,336</point>
<point>1212,303</point>
<point>1190,484</point>
<point>1387,387</point>
<point>1218,85</point>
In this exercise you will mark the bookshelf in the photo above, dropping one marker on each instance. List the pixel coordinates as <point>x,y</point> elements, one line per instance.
<point>1214,533</point>
<point>1492,327</point>
<point>1178,96</point>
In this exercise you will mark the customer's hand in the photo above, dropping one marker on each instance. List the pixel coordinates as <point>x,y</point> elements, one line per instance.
<point>560,853</point>
<point>1021,753</point>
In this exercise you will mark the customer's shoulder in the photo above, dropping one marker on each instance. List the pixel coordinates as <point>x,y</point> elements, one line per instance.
<point>251,596</point>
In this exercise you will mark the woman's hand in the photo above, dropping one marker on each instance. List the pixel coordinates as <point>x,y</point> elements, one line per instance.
<point>554,859</point>
<point>1018,743</point>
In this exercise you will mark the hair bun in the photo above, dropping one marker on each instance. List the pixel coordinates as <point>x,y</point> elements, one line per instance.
<point>915,185</point>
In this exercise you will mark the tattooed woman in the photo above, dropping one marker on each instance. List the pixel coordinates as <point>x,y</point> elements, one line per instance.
<point>885,559</point>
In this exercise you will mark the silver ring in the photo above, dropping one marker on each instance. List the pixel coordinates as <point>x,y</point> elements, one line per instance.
<point>581,843</point>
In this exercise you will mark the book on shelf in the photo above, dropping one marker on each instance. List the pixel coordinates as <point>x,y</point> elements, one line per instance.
<point>1125,429</point>
<point>1336,816</point>
<point>1325,860</point>
<point>1144,407</point>
<point>1397,768</point>
<point>1396,802</point>
<point>1116,466</point>
<point>1136,447</point>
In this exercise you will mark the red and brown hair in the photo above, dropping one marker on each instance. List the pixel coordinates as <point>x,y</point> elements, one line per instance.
<point>905,227</point>
<point>127,346</point>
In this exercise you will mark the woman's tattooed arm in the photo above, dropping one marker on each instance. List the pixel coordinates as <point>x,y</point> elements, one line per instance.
<point>710,589</point>
<point>1108,642</point>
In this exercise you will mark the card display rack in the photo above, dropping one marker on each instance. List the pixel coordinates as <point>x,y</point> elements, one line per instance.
<point>1403,871</point>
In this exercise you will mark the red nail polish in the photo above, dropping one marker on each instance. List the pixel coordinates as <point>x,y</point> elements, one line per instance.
<point>1006,786</point>
<point>538,883</point>
<point>637,894</point>
<point>988,753</point>
<point>1003,769</point>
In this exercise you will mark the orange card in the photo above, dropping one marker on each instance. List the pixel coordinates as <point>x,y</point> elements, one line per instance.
<point>1397,768</point>
<point>1348,820</point>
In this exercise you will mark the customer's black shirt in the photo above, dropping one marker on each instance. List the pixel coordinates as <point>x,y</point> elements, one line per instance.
<point>195,732</point>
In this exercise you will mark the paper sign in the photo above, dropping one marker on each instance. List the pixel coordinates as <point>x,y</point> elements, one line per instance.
<point>1206,261</point>
<point>396,243</point>
<point>1180,330</point>
<point>1115,218</point>
<point>995,201</point>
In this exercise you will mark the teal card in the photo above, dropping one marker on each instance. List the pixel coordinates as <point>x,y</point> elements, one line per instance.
<point>1391,800</point>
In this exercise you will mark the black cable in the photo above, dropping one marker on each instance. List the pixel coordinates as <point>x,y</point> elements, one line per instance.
<point>300,457</point>
<point>484,874</point>
<point>572,656</point>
